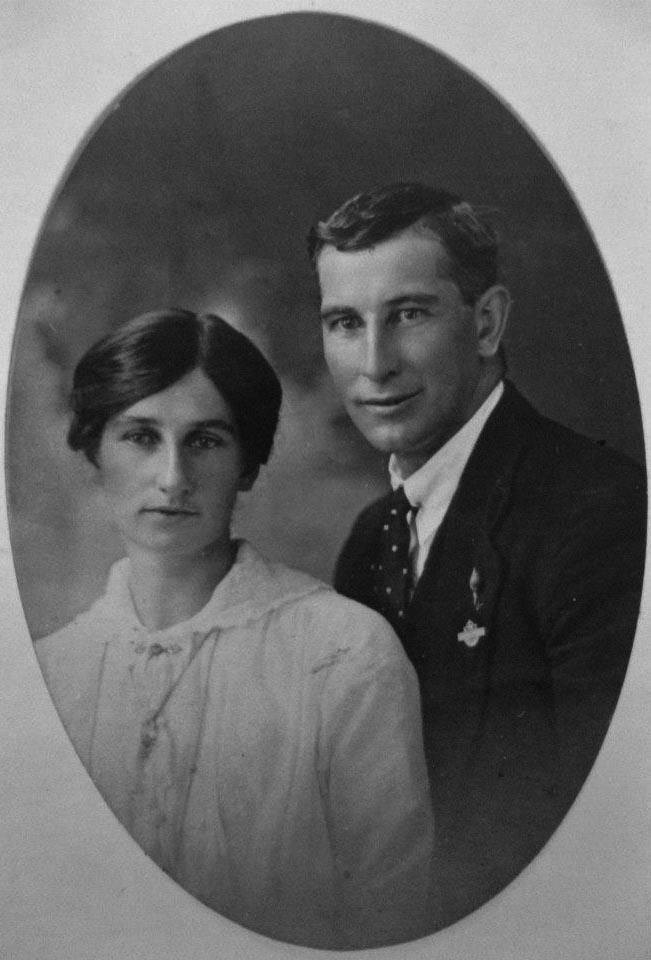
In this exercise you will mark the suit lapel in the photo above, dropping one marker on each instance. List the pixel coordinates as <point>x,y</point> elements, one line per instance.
<point>453,606</point>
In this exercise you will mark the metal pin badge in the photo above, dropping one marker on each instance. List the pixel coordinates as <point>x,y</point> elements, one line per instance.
<point>471,634</point>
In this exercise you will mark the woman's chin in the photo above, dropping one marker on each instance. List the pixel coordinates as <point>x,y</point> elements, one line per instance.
<point>177,545</point>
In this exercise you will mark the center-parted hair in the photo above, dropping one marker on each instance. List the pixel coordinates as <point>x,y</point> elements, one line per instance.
<point>155,350</point>
<point>469,240</point>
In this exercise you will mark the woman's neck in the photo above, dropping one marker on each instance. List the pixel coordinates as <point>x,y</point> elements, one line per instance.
<point>168,590</point>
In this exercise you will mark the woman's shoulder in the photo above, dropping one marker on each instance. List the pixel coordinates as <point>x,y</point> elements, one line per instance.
<point>71,664</point>
<point>273,577</point>
<point>81,640</point>
<point>69,633</point>
<point>281,585</point>
<point>342,622</point>
<point>311,608</point>
<point>68,643</point>
<point>346,646</point>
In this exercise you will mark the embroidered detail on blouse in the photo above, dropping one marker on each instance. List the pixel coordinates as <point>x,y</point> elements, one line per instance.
<point>151,724</point>
<point>148,736</point>
<point>155,649</point>
<point>331,659</point>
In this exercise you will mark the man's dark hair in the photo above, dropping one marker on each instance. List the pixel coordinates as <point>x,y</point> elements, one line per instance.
<point>469,241</point>
<point>151,352</point>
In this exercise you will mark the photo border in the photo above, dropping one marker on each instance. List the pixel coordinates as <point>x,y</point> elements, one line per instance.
<point>76,884</point>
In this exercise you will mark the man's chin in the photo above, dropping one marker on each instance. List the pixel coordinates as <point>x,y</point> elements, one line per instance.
<point>385,439</point>
<point>410,453</point>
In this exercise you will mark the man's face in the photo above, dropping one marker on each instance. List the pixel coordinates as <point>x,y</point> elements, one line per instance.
<point>402,346</point>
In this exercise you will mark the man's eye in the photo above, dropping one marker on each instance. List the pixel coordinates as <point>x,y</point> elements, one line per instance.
<point>345,323</point>
<point>411,313</point>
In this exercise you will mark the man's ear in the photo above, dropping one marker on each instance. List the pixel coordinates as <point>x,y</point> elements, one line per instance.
<point>248,479</point>
<point>491,312</point>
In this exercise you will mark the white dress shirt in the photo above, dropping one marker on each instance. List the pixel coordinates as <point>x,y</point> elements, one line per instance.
<point>432,486</point>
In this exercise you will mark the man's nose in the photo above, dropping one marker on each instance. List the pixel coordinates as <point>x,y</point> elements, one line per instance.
<point>174,474</point>
<point>379,359</point>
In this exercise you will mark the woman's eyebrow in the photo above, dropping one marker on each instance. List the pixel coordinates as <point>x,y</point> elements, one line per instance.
<point>130,418</point>
<point>215,423</point>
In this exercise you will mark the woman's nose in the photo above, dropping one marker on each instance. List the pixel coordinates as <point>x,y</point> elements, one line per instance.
<point>174,473</point>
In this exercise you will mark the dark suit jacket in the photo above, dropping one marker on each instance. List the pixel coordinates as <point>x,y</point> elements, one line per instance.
<point>553,526</point>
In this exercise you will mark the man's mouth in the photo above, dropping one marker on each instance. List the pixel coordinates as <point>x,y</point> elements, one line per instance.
<point>387,402</point>
<point>171,511</point>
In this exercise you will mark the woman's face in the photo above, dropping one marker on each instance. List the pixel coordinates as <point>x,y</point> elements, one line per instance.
<point>171,466</point>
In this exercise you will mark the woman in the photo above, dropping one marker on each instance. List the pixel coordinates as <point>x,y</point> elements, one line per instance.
<point>258,735</point>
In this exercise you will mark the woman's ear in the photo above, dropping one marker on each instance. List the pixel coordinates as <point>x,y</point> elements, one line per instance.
<point>90,466</point>
<point>491,313</point>
<point>248,479</point>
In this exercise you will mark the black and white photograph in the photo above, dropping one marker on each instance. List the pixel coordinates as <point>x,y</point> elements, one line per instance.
<point>326,497</point>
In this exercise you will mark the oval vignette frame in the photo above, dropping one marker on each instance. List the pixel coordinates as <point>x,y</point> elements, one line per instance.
<point>361,462</point>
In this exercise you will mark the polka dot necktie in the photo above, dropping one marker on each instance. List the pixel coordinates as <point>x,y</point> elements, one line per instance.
<point>392,571</point>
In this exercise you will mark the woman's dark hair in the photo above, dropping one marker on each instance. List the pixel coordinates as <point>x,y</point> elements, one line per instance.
<point>153,351</point>
<point>367,219</point>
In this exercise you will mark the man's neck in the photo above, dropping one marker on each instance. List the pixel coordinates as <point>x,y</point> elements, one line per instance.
<point>408,463</point>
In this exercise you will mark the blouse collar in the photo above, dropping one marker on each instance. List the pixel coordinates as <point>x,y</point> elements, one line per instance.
<point>252,588</point>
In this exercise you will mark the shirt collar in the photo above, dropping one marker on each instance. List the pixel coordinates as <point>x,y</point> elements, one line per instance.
<point>439,476</point>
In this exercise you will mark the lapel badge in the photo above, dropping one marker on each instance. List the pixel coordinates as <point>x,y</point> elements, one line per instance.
<point>471,634</point>
<point>476,584</point>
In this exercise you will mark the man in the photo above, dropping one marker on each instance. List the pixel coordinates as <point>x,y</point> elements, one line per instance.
<point>512,570</point>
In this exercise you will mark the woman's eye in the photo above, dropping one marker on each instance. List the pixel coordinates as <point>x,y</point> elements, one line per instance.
<point>205,441</point>
<point>142,438</point>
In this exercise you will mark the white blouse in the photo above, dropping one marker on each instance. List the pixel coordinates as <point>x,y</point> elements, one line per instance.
<point>267,753</point>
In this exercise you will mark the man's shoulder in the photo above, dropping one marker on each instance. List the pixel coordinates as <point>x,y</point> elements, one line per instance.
<point>554,453</point>
<point>521,449</point>
<point>539,478</point>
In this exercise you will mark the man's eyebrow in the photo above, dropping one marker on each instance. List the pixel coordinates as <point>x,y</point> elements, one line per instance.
<point>336,311</point>
<point>419,298</point>
<point>424,298</point>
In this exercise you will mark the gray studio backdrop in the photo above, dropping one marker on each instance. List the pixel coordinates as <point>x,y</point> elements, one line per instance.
<point>197,188</point>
